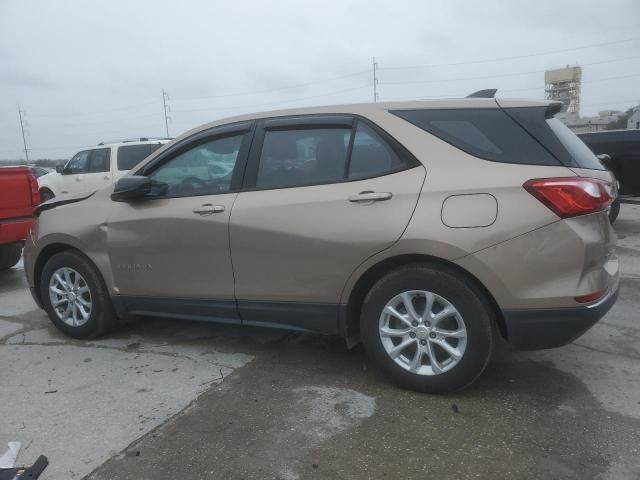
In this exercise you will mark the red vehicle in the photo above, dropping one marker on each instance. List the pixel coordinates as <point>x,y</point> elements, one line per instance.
<point>18,198</point>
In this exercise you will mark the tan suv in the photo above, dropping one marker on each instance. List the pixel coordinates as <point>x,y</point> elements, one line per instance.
<point>427,229</point>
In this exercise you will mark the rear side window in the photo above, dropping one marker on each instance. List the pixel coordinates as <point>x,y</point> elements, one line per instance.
<point>99,160</point>
<point>486,133</point>
<point>581,154</point>
<point>372,156</point>
<point>131,155</point>
<point>303,157</point>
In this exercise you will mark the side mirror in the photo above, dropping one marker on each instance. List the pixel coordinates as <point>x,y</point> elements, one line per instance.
<point>60,169</point>
<point>137,187</point>
<point>605,159</point>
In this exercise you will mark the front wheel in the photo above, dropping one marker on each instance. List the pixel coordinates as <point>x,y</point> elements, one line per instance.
<point>74,296</point>
<point>428,328</point>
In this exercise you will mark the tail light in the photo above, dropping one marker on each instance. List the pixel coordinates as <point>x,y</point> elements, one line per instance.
<point>572,196</point>
<point>35,194</point>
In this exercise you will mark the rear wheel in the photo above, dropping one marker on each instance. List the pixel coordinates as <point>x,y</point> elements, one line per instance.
<point>427,328</point>
<point>74,296</point>
<point>10,255</point>
<point>46,194</point>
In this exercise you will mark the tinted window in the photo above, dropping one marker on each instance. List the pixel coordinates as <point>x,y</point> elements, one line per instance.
<point>80,162</point>
<point>484,133</point>
<point>292,158</point>
<point>99,160</point>
<point>576,147</point>
<point>204,169</point>
<point>131,155</point>
<point>372,156</point>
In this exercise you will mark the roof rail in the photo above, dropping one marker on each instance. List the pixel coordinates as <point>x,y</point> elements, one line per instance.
<point>487,93</point>
<point>140,139</point>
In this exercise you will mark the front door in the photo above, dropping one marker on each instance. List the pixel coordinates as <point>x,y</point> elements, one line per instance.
<point>87,171</point>
<point>170,254</point>
<point>324,194</point>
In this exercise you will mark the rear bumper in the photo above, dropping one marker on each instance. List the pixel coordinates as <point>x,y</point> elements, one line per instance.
<point>537,329</point>
<point>15,230</point>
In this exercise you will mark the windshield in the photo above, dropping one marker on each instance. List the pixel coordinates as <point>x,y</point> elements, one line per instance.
<point>576,147</point>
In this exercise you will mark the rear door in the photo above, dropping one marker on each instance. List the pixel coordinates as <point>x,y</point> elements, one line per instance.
<point>321,194</point>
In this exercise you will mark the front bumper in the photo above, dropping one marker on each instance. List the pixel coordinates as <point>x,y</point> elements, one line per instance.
<point>537,329</point>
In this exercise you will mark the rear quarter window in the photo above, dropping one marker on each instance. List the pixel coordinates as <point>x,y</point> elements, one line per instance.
<point>489,134</point>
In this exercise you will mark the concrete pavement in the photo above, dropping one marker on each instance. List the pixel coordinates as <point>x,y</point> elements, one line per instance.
<point>171,399</point>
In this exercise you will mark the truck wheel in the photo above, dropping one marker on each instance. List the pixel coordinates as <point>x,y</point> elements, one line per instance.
<point>45,194</point>
<point>428,328</point>
<point>10,255</point>
<point>75,297</point>
<point>614,211</point>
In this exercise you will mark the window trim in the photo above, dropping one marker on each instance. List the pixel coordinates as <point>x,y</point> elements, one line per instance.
<point>246,128</point>
<point>310,121</point>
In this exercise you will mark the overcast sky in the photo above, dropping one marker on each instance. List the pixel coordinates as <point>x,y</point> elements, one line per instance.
<point>88,71</point>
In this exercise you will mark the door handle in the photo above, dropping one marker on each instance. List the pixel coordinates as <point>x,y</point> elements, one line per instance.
<point>77,179</point>
<point>208,209</point>
<point>370,197</point>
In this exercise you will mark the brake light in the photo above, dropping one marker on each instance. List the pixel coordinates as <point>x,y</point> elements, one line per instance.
<point>35,194</point>
<point>572,196</point>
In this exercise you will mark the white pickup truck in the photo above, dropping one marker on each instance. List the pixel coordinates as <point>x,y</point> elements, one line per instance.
<point>97,167</point>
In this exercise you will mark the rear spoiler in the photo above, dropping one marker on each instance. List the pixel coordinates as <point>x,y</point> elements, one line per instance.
<point>486,93</point>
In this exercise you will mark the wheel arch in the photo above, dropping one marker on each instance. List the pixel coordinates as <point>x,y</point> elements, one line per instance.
<point>351,313</point>
<point>46,253</point>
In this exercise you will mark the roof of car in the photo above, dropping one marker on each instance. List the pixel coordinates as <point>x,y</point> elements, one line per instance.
<point>364,108</point>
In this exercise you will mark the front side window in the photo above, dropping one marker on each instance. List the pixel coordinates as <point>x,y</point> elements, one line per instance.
<point>99,160</point>
<point>292,158</point>
<point>203,169</point>
<point>80,162</point>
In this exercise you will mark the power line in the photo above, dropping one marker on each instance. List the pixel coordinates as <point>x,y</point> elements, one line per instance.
<point>514,57</point>
<point>272,103</point>
<point>417,82</point>
<point>289,87</point>
<point>165,98</point>
<point>24,140</point>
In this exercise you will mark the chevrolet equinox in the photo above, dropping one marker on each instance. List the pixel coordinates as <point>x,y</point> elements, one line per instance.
<point>429,230</point>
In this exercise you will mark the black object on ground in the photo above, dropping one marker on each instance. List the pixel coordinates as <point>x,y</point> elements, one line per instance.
<point>24,473</point>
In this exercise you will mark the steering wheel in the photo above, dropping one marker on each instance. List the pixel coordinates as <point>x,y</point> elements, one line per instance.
<point>187,183</point>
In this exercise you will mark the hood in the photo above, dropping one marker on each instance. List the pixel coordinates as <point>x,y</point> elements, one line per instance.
<point>62,200</point>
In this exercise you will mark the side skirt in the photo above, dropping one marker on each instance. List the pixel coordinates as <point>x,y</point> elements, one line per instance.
<point>312,317</point>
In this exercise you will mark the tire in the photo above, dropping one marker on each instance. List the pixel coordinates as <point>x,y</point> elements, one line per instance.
<point>101,317</point>
<point>614,211</point>
<point>473,316</point>
<point>46,194</point>
<point>10,255</point>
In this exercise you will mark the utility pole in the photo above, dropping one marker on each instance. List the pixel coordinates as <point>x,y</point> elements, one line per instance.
<point>165,98</point>
<point>24,140</point>
<point>375,80</point>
